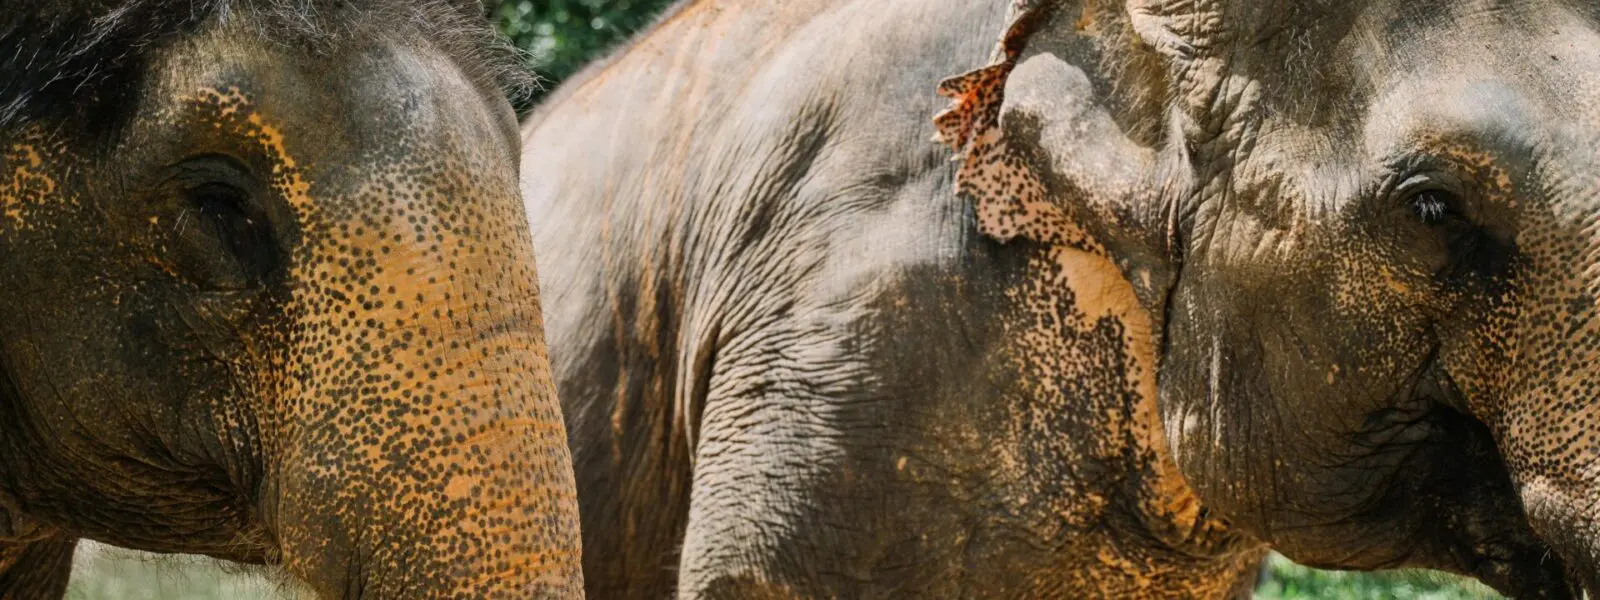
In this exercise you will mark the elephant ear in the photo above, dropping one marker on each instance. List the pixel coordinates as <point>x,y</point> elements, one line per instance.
<point>1011,199</point>
<point>1045,151</point>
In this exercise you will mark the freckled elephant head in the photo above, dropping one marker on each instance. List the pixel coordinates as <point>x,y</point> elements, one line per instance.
<point>266,293</point>
<point>1368,234</point>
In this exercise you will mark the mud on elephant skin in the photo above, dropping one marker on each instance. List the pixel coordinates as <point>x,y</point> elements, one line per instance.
<point>1366,234</point>
<point>267,294</point>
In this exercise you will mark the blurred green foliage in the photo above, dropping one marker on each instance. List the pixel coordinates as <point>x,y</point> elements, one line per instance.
<point>562,35</point>
<point>1289,581</point>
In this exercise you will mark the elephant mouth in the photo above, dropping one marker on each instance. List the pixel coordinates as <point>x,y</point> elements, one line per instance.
<point>1544,576</point>
<point>1575,584</point>
<point>1490,531</point>
<point>1582,571</point>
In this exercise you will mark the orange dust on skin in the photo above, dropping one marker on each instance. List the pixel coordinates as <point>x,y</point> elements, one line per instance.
<point>229,109</point>
<point>1101,291</point>
<point>1076,311</point>
<point>414,324</point>
<point>1085,346</point>
<point>30,181</point>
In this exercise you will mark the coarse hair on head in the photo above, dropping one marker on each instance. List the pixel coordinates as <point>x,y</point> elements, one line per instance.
<point>82,59</point>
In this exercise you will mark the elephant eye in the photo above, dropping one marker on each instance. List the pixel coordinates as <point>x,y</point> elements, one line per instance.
<point>227,214</point>
<point>1473,251</point>
<point>213,226</point>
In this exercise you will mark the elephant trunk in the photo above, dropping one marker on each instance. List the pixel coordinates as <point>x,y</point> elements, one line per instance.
<point>1540,399</point>
<point>1552,448</point>
<point>419,451</point>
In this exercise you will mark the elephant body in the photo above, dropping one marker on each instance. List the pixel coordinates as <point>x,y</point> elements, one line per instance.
<point>1203,277</point>
<point>790,364</point>
<point>266,294</point>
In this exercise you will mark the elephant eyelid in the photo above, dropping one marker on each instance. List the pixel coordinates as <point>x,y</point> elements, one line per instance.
<point>217,179</point>
<point>213,193</point>
<point>207,169</point>
<point>236,241</point>
<point>1475,252</point>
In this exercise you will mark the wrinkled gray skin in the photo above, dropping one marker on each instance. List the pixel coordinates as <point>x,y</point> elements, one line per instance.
<point>1357,240</point>
<point>1381,287</point>
<point>793,368</point>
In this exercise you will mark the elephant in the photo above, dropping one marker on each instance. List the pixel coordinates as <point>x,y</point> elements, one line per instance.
<point>267,294</point>
<point>790,365</point>
<point>1203,278</point>
<point>1365,233</point>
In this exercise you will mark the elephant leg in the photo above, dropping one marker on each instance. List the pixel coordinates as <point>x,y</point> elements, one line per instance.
<point>36,570</point>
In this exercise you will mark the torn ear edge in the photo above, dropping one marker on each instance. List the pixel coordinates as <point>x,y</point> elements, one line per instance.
<point>1011,199</point>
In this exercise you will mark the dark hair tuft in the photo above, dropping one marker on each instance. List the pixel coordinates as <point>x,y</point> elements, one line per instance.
<point>65,59</point>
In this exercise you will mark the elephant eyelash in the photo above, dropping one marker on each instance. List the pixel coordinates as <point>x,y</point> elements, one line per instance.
<point>1434,192</point>
<point>1433,206</point>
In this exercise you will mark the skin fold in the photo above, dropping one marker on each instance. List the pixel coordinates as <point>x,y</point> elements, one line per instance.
<point>266,294</point>
<point>790,364</point>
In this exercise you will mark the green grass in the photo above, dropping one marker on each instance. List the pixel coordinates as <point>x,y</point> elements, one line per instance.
<point>104,573</point>
<point>1290,581</point>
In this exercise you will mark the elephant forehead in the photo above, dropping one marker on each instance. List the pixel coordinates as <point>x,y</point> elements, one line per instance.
<point>351,111</point>
<point>1502,73</point>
